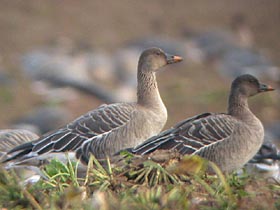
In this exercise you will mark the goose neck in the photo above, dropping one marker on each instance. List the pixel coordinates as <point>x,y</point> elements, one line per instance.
<point>147,89</point>
<point>238,106</point>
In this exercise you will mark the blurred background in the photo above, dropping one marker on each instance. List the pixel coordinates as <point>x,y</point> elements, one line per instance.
<point>60,59</point>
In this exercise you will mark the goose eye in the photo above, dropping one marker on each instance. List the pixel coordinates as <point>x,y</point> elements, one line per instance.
<point>251,81</point>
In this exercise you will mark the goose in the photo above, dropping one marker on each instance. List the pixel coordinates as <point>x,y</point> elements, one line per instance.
<point>230,140</point>
<point>9,138</point>
<point>109,128</point>
<point>266,154</point>
<point>265,163</point>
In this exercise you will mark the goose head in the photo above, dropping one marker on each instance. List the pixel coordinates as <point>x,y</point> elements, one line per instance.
<point>153,59</point>
<point>247,85</point>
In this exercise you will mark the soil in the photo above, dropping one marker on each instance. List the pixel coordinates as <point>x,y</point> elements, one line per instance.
<point>186,89</point>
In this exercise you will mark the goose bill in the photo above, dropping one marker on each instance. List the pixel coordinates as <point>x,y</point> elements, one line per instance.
<point>173,59</point>
<point>264,88</point>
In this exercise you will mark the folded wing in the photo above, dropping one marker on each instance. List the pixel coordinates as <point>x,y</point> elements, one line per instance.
<point>73,135</point>
<point>190,135</point>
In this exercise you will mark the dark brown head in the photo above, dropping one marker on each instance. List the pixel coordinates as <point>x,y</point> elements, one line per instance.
<point>154,58</point>
<point>248,85</point>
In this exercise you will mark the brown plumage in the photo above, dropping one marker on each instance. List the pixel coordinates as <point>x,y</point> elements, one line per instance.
<point>110,128</point>
<point>10,138</point>
<point>230,140</point>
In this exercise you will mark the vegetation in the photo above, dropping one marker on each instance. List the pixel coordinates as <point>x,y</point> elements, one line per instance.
<point>161,181</point>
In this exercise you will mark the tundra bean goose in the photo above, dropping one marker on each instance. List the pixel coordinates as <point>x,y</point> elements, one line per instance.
<point>10,138</point>
<point>230,140</point>
<point>110,128</point>
<point>266,162</point>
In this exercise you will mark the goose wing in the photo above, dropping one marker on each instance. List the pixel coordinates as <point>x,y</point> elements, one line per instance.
<point>72,136</point>
<point>10,138</point>
<point>190,135</point>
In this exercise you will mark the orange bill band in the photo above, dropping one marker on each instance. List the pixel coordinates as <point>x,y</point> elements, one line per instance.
<point>269,88</point>
<point>177,58</point>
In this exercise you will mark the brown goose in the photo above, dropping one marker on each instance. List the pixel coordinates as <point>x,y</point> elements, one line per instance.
<point>110,128</point>
<point>230,140</point>
<point>10,138</point>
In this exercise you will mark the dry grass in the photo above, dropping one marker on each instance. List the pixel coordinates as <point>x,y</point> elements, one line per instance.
<point>144,184</point>
<point>187,89</point>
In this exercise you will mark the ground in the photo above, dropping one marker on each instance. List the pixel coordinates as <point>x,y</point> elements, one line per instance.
<point>186,89</point>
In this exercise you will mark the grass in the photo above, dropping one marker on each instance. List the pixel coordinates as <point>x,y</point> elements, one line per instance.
<point>139,183</point>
